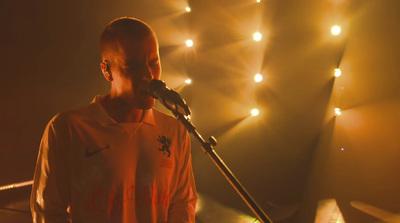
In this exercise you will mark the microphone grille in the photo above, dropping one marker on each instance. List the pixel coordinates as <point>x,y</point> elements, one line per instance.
<point>155,86</point>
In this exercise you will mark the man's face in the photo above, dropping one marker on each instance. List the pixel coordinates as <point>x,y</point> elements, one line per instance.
<point>134,63</point>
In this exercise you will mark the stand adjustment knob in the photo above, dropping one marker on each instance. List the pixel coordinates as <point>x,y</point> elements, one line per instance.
<point>213,141</point>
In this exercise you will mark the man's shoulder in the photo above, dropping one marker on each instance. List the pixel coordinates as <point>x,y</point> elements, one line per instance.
<point>75,115</point>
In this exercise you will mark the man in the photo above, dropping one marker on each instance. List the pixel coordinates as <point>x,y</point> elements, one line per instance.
<point>117,159</point>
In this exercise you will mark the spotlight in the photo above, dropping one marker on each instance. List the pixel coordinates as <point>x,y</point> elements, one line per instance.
<point>258,78</point>
<point>335,30</point>
<point>188,9</point>
<point>257,36</point>
<point>188,81</point>
<point>254,112</point>
<point>189,43</point>
<point>338,72</point>
<point>338,111</point>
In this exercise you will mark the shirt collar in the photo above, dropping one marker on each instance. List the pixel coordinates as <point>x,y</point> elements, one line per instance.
<point>103,117</point>
<point>148,117</point>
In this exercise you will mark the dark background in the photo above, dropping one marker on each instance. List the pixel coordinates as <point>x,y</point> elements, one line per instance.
<point>289,158</point>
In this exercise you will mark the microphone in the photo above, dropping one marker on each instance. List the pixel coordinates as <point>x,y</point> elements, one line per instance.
<point>169,98</point>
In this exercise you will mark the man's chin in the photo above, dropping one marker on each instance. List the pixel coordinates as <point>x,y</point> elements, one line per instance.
<point>146,104</point>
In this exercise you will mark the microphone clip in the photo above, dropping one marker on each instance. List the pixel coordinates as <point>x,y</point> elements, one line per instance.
<point>169,98</point>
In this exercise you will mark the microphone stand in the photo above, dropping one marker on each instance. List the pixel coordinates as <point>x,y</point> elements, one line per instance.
<point>208,149</point>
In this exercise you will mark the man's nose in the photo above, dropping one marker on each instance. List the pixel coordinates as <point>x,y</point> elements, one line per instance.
<point>147,73</point>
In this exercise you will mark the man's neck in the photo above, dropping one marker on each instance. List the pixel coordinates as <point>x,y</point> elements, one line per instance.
<point>120,111</point>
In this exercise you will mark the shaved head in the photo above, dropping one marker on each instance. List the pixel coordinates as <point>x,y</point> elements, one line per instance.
<point>121,28</point>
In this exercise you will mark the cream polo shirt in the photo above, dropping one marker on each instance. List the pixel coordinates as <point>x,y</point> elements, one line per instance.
<point>92,169</point>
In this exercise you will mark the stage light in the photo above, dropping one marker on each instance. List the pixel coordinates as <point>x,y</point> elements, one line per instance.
<point>257,36</point>
<point>254,112</point>
<point>338,72</point>
<point>16,185</point>
<point>328,209</point>
<point>338,111</point>
<point>258,78</point>
<point>189,43</point>
<point>188,9</point>
<point>335,30</point>
<point>188,81</point>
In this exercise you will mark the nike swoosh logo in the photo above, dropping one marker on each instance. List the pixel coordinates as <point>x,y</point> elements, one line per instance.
<point>91,153</point>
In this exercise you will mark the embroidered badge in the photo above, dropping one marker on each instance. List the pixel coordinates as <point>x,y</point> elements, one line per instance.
<point>165,144</point>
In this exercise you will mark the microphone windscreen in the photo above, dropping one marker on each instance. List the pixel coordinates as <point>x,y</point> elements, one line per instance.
<point>155,86</point>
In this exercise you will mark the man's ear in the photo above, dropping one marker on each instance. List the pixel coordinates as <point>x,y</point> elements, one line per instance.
<point>105,69</point>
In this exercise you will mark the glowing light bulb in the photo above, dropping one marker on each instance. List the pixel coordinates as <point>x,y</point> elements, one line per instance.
<point>188,9</point>
<point>189,43</point>
<point>335,30</point>
<point>257,36</point>
<point>188,81</point>
<point>258,1</point>
<point>338,111</point>
<point>258,78</point>
<point>338,72</point>
<point>254,112</point>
